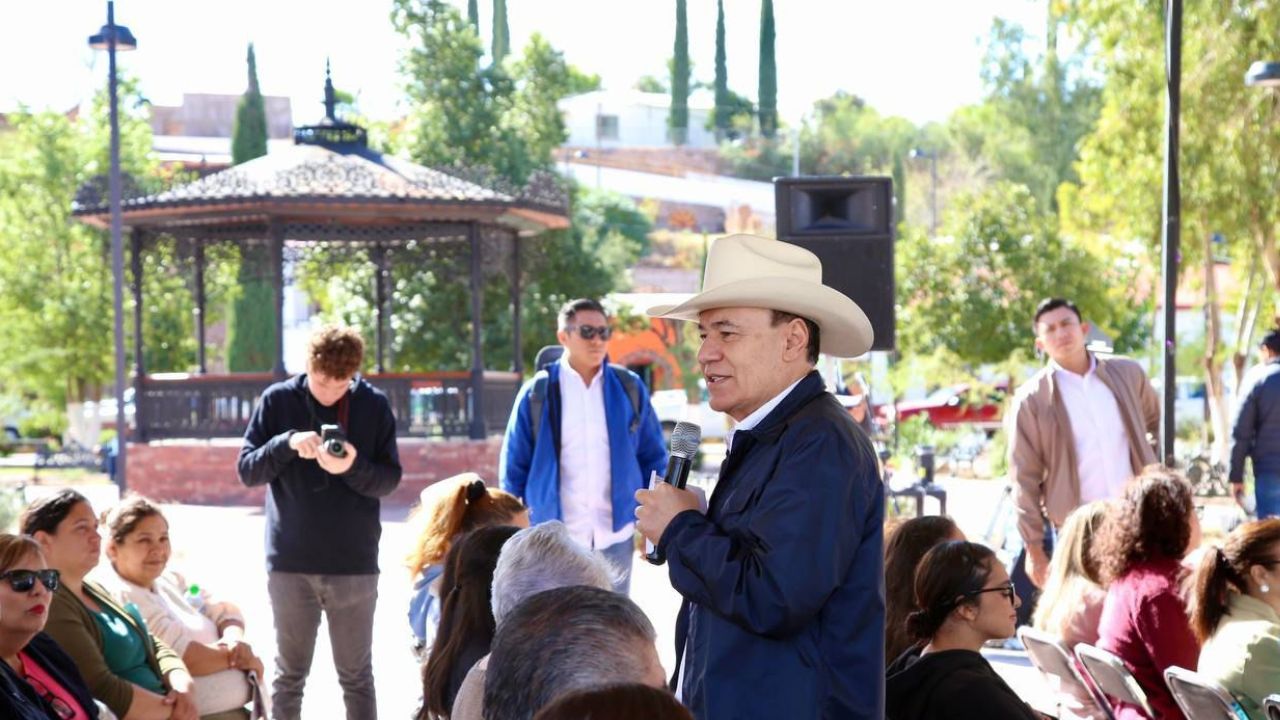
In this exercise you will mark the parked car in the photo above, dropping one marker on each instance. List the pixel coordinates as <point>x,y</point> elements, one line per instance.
<point>954,406</point>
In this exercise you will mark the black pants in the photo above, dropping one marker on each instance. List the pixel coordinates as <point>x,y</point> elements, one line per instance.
<point>1026,589</point>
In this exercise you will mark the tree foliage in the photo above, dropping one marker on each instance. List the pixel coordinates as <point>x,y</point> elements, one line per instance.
<point>723,114</point>
<point>501,32</point>
<point>678,120</point>
<point>249,133</point>
<point>974,289</point>
<point>768,95</point>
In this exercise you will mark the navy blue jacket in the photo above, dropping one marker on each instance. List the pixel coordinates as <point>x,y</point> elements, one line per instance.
<point>19,699</point>
<point>1257,428</point>
<point>783,579</point>
<point>531,471</point>
<point>316,522</point>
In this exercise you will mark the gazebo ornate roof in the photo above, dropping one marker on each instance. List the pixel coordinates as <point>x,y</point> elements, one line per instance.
<point>331,175</point>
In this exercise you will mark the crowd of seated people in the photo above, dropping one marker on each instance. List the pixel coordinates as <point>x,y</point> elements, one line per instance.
<point>528,627</point>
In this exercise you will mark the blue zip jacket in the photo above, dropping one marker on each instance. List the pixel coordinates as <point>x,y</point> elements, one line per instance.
<point>531,471</point>
<point>1256,433</point>
<point>783,578</point>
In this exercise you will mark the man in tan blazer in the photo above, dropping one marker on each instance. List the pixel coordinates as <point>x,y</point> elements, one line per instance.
<point>1078,430</point>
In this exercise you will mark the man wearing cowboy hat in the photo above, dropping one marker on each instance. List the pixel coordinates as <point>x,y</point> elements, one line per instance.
<point>782,578</point>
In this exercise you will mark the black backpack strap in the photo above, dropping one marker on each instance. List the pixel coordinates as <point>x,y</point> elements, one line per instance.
<point>632,386</point>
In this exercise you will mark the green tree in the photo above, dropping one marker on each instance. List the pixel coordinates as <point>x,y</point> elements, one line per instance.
<point>650,84</point>
<point>722,117</point>
<point>251,333</point>
<point>768,95</point>
<point>678,120</point>
<point>249,133</point>
<point>973,290</point>
<point>473,14</point>
<point>501,33</point>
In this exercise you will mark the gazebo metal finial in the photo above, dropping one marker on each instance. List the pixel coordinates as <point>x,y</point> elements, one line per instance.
<point>330,97</point>
<point>331,132</point>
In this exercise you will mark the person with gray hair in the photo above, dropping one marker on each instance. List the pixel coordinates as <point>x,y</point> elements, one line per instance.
<point>567,639</point>
<point>536,559</point>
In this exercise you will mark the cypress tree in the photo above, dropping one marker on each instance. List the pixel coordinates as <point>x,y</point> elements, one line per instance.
<point>473,14</point>
<point>501,34</point>
<point>722,112</point>
<point>768,72</point>
<point>251,341</point>
<point>679,117</point>
<point>249,133</point>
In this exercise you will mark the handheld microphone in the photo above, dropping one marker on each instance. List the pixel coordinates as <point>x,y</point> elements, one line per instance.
<point>684,447</point>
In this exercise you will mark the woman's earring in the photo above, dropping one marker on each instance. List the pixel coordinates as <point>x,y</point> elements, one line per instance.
<point>1265,588</point>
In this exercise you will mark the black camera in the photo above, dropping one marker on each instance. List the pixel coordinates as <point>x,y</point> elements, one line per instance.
<point>332,438</point>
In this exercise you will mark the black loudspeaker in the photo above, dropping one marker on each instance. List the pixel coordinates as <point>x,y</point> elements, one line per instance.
<point>848,223</point>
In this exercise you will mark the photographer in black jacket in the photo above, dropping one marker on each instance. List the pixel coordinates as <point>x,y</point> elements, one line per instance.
<point>322,510</point>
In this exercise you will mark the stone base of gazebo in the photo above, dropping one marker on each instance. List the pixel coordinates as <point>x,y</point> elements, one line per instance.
<point>203,472</point>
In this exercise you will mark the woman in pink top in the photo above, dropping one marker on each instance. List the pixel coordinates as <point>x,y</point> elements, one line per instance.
<point>1139,552</point>
<point>39,672</point>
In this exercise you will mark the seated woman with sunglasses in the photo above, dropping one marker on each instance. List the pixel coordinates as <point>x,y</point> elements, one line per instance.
<point>1139,551</point>
<point>1235,612</point>
<point>37,679</point>
<point>209,638</point>
<point>966,599</point>
<point>130,670</point>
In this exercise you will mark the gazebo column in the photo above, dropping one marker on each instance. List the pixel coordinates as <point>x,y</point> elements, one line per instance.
<point>476,409</point>
<point>139,365</point>
<point>276,249</point>
<point>517,357</point>
<point>201,364</point>
<point>380,300</point>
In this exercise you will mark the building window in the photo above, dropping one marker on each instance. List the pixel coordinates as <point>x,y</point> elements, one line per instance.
<point>607,127</point>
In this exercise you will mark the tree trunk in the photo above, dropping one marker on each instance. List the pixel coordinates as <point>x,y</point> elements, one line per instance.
<point>1246,318</point>
<point>1214,392</point>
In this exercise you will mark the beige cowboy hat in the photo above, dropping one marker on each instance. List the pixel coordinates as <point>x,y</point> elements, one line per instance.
<point>750,271</point>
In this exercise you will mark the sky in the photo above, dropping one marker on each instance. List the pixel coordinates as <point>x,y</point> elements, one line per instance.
<point>919,59</point>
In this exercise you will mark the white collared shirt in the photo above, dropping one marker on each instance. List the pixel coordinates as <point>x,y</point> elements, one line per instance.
<point>586,473</point>
<point>1101,441</point>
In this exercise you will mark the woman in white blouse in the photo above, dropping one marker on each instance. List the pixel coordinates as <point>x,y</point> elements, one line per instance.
<point>207,633</point>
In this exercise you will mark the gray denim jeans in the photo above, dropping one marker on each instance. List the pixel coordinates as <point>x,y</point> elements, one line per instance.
<point>348,602</point>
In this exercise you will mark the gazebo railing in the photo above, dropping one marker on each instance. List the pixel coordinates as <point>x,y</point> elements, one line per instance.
<point>434,404</point>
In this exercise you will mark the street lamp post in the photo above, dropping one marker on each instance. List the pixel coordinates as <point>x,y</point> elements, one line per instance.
<point>111,38</point>
<point>932,157</point>
<point>1172,221</point>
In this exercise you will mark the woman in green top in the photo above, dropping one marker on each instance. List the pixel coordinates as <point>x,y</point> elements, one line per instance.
<point>127,668</point>
<point>1235,613</point>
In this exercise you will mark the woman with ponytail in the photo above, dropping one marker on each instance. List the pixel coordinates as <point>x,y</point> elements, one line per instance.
<point>1235,613</point>
<point>965,599</point>
<point>447,510</point>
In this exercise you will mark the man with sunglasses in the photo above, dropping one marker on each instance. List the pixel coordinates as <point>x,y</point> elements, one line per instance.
<point>591,448</point>
<point>323,514</point>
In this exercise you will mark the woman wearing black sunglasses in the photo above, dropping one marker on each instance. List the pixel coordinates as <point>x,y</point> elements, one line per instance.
<point>126,667</point>
<point>37,679</point>
<point>967,599</point>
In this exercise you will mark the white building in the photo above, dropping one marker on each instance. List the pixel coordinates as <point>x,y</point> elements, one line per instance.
<point>631,118</point>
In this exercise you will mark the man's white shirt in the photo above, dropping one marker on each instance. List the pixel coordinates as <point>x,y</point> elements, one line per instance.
<point>1101,441</point>
<point>586,473</point>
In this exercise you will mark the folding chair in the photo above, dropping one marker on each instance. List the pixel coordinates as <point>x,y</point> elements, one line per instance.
<point>1109,675</point>
<point>1271,705</point>
<point>1053,659</point>
<point>1201,698</point>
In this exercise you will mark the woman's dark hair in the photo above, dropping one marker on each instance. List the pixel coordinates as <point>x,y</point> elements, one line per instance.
<point>630,701</point>
<point>124,518</point>
<point>1225,569</point>
<point>466,620</point>
<point>1151,522</point>
<point>947,576</point>
<point>48,512</point>
<point>902,552</point>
